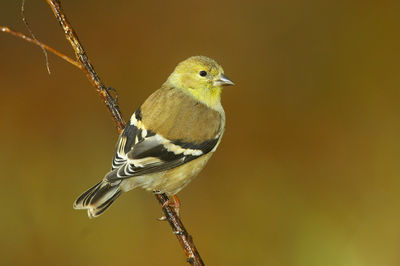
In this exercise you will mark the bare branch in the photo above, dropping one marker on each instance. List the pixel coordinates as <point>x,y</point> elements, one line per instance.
<point>80,53</point>
<point>33,35</point>
<point>185,240</point>
<point>36,42</point>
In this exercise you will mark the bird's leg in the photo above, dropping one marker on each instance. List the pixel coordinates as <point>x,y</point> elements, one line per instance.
<point>176,204</point>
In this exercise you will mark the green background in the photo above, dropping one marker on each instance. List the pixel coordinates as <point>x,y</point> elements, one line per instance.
<point>307,173</point>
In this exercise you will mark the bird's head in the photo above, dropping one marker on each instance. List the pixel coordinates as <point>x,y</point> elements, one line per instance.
<point>201,77</point>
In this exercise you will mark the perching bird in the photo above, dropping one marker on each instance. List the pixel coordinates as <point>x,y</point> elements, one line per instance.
<point>169,139</point>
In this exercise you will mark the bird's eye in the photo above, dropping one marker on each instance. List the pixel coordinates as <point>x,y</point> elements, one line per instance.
<point>203,73</point>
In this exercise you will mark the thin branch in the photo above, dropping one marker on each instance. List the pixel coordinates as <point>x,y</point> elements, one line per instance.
<point>45,46</point>
<point>80,53</point>
<point>185,240</point>
<point>33,35</point>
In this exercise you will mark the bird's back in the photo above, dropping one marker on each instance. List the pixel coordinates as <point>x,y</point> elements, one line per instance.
<point>191,122</point>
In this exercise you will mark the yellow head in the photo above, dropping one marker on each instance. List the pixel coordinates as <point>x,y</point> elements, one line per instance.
<point>201,77</point>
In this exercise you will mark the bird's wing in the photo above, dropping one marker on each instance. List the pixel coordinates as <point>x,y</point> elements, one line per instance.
<point>125,143</point>
<point>140,151</point>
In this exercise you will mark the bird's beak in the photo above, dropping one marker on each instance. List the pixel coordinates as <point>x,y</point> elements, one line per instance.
<point>223,80</point>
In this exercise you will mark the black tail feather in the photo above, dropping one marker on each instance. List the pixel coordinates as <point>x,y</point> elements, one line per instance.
<point>98,198</point>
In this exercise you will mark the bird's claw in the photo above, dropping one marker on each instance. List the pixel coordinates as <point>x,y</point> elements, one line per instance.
<point>176,204</point>
<point>162,218</point>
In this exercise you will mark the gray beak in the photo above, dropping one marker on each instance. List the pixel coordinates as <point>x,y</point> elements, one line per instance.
<point>223,81</point>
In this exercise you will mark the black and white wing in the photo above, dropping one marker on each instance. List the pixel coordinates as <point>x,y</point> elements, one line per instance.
<point>125,143</point>
<point>140,151</point>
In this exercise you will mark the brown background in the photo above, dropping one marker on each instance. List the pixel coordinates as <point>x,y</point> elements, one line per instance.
<point>307,173</point>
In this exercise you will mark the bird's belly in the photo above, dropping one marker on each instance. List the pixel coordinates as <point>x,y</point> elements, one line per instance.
<point>171,181</point>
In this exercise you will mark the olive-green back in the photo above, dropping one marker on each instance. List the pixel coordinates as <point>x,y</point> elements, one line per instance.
<point>176,115</point>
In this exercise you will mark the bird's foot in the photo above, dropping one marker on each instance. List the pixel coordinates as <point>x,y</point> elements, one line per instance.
<point>176,204</point>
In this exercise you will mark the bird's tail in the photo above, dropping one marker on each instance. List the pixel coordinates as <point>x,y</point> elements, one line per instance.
<point>98,198</point>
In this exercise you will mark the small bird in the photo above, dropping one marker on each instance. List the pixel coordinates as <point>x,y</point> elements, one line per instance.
<point>169,138</point>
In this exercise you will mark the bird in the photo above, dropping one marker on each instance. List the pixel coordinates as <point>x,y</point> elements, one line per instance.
<point>168,139</point>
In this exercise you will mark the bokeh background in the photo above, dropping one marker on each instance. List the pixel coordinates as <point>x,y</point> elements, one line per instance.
<point>307,173</point>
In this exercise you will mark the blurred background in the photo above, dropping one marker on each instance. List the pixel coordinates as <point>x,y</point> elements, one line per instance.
<point>308,170</point>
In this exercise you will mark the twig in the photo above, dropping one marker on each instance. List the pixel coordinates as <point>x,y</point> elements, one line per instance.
<point>80,53</point>
<point>185,240</point>
<point>33,35</point>
<point>48,48</point>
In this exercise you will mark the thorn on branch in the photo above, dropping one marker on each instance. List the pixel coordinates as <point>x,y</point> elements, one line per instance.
<point>115,97</point>
<point>181,233</point>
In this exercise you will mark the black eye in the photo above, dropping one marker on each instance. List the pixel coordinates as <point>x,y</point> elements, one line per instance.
<point>203,73</point>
